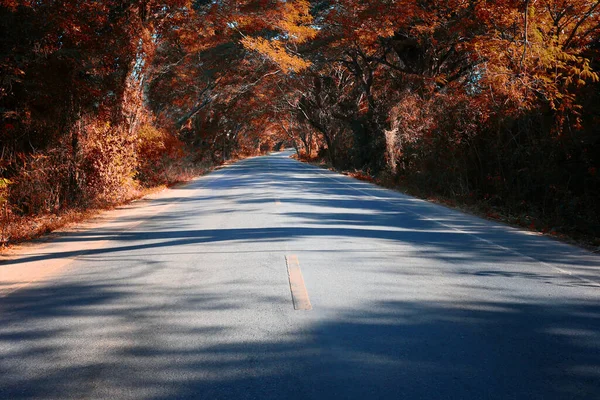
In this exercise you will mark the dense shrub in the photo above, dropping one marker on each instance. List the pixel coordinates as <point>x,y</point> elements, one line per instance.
<point>160,155</point>
<point>109,163</point>
<point>41,183</point>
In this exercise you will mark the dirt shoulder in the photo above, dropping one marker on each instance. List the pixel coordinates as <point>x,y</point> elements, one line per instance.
<point>26,263</point>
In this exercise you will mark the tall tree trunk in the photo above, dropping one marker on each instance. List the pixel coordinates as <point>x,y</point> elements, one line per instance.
<point>74,189</point>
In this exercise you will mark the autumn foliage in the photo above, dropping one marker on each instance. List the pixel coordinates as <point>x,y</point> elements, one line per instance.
<point>491,102</point>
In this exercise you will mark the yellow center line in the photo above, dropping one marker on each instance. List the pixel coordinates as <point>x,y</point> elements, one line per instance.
<point>297,287</point>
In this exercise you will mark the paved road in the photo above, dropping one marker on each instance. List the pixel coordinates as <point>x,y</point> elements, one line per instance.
<point>409,301</point>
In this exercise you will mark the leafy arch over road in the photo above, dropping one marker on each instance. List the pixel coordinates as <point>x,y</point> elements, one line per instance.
<point>496,100</point>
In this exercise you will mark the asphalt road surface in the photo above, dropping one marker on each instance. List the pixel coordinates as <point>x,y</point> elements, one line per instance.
<point>272,279</point>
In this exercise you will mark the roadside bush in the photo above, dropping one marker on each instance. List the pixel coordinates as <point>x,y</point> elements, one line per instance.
<point>4,210</point>
<point>161,157</point>
<point>108,163</point>
<point>40,184</point>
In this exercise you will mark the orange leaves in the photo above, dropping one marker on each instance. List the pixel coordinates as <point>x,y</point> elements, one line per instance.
<point>154,143</point>
<point>523,54</point>
<point>367,22</point>
<point>293,21</point>
<point>276,51</point>
<point>11,4</point>
<point>296,21</point>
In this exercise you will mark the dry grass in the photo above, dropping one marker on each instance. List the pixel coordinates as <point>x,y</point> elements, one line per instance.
<point>20,229</point>
<point>23,228</point>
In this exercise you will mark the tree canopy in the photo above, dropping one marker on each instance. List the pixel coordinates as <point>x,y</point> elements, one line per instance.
<point>496,99</point>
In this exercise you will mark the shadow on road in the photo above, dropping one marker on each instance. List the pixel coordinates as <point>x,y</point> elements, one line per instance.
<point>342,208</point>
<point>110,336</point>
<point>404,350</point>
